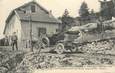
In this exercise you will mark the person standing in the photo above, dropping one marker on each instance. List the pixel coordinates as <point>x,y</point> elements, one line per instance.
<point>14,41</point>
<point>6,41</point>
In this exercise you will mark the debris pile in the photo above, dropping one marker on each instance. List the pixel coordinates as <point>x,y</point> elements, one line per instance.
<point>43,61</point>
<point>102,47</point>
<point>20,62</point>
<point>47,61</point>
<point>9,60</point>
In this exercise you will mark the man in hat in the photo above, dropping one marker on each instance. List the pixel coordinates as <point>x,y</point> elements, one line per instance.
<point>14,41</point>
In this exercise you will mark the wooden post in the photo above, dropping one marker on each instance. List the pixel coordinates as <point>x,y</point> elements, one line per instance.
<point>31,45</point>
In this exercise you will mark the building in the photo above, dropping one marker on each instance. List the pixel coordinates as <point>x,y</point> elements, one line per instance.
<point>31,19</point>
<point>113,8</point>
<point>107,9</point>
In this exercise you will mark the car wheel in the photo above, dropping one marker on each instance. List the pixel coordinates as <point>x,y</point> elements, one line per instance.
<point>59,48</point>
<point>74,48</point>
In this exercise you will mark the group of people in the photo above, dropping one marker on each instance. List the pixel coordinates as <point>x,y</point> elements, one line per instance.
<point>11,41</point>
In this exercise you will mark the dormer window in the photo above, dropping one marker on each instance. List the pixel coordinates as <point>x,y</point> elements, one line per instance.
<point>33,8</point>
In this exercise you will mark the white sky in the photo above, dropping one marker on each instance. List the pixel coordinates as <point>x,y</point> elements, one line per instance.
<point>57,7</point>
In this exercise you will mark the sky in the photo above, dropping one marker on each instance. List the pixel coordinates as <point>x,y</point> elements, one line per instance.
<point>57,7</point>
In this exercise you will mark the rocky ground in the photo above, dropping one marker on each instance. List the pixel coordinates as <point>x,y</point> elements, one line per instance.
<point>9,60</point>
<point>26,62</point>
<point>46,61</point>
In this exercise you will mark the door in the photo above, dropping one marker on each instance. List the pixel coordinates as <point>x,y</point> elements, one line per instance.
<point>41,31</point>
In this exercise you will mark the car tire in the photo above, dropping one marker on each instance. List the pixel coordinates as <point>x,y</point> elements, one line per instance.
<point>59,48</point>
<point>74,49</point>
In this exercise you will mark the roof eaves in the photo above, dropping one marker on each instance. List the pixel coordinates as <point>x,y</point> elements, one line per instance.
<point>57,22</point>
<point>8,19</point>
<point>10,15</point>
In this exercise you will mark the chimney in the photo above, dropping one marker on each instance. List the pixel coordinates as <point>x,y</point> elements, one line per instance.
<point>50,13</point>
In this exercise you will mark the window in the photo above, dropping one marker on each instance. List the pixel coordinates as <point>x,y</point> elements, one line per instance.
<point>33,8</point>
<point>41,31</point>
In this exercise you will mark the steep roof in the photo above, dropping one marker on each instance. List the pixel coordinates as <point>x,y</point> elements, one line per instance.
<point>43,17</point>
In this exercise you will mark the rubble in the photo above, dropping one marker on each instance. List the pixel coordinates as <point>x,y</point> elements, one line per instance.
<point>9,60</point>
<point>102,47</point>
<point>25,63</point>
<point>48,61</point>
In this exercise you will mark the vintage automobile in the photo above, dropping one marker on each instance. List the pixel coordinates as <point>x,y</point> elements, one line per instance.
<point>71,40</point>
<point>67,41</point>
<point>60,42</point>
<point>67,44</point>
<point>79,35</point>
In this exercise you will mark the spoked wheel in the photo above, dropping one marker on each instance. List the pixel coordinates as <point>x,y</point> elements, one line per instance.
<point>74,48</point>
<point>59,48</point>
<point>46,41</point>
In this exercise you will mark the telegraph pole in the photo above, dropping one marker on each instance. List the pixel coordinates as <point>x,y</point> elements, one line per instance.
<point>31,45</point>
<point>30,31</point>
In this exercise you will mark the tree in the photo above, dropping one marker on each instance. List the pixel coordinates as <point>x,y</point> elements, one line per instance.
<point>66,13</point>
<point>66,20</point>
<point>83,11</point>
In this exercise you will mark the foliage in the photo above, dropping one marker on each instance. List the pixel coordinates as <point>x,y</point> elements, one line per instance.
<point>66,20</point>
<point>83,11</point>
